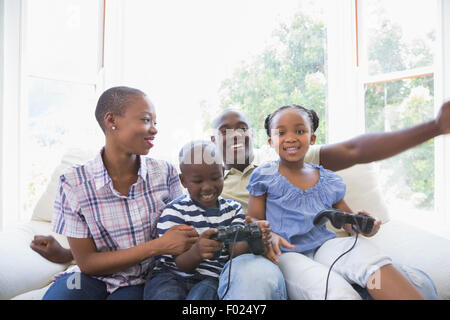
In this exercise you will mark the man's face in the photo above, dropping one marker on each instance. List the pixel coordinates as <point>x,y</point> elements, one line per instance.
<point>234,139</point>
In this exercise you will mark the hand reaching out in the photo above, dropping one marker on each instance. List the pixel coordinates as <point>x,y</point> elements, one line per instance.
<point>443,118</point>
<point>178,239</point>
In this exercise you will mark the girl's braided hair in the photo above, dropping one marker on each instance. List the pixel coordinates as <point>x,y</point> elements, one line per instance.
<point>312,115</point>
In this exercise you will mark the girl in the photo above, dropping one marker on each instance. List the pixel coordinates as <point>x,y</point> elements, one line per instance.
<point>289,193</point>
<point>108,207</point>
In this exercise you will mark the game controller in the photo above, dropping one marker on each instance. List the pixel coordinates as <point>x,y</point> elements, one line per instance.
<point>364,224</point>
<point>250,233</point>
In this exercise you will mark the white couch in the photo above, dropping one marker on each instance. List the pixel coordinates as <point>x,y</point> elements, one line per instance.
<point>24,274</point>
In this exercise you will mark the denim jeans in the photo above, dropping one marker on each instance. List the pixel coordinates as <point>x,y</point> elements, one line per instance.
<point>252,277</point>
<point>165,285</point>
<point>256,278</point>
<point>421,281</point>
<point>78,286</point>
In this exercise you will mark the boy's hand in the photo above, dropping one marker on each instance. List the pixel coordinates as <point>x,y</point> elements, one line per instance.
<point>50,249</point>
<point>207,247</point>
<point>272,250</point>
<point>376,224</point>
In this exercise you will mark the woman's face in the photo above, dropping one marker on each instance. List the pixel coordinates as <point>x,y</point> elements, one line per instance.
<point>135,129</point>
<point>291,134</point>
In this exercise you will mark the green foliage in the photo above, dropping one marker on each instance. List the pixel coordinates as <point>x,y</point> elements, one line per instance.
<point>291,71</point>
<point>401,104</point>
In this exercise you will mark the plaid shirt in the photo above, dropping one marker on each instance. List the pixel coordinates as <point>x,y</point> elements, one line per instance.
<point>87,206</point>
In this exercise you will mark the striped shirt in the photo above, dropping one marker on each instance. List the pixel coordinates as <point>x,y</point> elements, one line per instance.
<point>87,206</point>
<point>184,210</point>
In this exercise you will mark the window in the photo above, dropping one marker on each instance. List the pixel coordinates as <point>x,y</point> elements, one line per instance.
<point>195,57</point>
<point>396,57</point>
<point>62,64</point>
<point>200,56</point>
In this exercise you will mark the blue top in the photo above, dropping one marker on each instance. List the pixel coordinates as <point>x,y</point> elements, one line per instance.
<point>185,210</point>
<point>291,211</point>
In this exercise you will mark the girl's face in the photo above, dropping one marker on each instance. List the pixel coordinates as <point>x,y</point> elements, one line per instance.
<point>291,135</point>
<point>135,129</point>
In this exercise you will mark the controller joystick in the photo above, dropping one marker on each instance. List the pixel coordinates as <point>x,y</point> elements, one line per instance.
<point>250,233</point>
<point>338,218</point>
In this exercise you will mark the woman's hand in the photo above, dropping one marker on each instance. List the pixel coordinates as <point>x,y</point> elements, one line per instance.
<point>50,249</point>
<point>178,239</point>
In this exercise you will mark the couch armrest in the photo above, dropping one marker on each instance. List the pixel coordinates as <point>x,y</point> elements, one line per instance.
<point>22,269</point>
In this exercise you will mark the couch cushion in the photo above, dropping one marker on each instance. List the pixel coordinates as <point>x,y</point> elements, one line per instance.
<point>22,269</point>
<point>44,207</point>
<point>418,248</point>
<point>363,192</point>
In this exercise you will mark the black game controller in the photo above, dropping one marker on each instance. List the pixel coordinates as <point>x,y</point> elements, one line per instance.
<point>250,233</point>
<point>338,218</point>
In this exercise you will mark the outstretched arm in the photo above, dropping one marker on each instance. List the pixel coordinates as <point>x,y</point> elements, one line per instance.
<point>378,146</point>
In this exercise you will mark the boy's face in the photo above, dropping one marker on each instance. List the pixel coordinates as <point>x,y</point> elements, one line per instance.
<point>136,127</point>
<point>204,182</point>
<point>234,139</point>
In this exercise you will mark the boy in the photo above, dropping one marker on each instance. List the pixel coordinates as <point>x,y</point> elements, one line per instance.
<point>193,275</point>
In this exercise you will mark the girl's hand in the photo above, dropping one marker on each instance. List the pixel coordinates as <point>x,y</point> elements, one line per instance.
<point>272,250</point>
<point>264,226</point>
<point>376,225</point>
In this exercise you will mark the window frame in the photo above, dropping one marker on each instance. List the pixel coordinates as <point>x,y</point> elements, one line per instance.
<point>440,71</point>
<point>13,93</point>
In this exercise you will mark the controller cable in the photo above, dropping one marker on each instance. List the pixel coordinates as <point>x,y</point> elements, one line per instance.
<point>329,271</point>
<point>231,261</point>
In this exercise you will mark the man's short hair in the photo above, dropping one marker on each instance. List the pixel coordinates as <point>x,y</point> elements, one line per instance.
<point>216,121</point>
<point>115,100</point>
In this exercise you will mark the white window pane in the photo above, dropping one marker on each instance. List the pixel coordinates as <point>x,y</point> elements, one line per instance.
<point>63,38</point>
<point>407,179</point>
<point>399,35</point>
<point>206,55</point>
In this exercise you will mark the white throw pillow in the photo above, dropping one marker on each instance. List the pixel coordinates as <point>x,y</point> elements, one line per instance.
<point>363,191</point>
<point>44,207</point>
